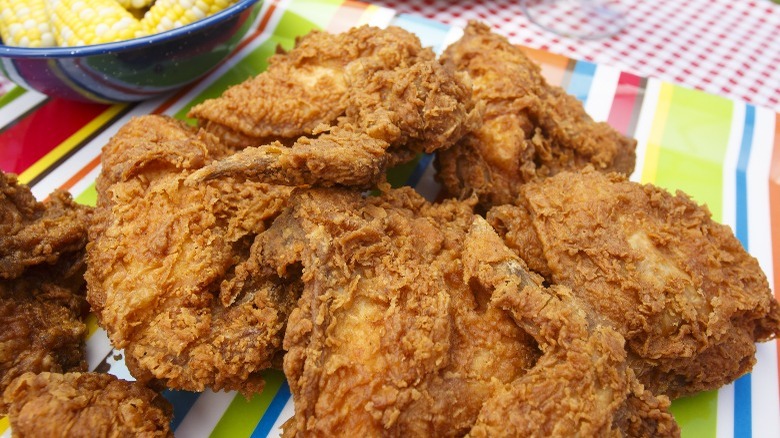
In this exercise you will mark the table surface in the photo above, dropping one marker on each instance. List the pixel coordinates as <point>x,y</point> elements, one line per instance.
<point>725,47</point>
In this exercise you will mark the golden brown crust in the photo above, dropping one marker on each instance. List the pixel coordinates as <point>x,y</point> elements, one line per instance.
<point>85,405</point>
<point>679,286</point>
<point>371,97</point>
<point>167,268</point>
<point>530,129</point>
<point>42,288</point>
<point>414,321</point>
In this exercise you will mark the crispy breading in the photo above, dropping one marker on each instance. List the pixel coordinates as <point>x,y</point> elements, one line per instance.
<point>400,331</point>
<point>530,129</point>
<point>35,233</point>
<point>167,270</point>
<point>680,287</point>
<point>85,405</point>
<point>374,97</point>
<point>42,286</point>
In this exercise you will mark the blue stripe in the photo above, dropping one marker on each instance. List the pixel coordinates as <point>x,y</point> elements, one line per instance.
<point>743,421</point>
<point>581,80</point>
<point>419,170</point>
<point>263,427</point>
<point>182,402</point>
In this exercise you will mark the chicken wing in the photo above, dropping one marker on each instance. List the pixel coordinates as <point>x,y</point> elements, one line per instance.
<point>167,270</point>
<point>680,288</point>
<point>85,405</point>
<point>530,129</point>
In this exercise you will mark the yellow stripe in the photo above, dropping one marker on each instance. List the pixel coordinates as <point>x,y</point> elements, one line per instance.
<point>657,134</point>
<point>4,425</point>
<point>71,142</point>
<point>92,324</point>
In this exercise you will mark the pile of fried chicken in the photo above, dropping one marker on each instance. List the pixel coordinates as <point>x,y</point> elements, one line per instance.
<point>543,294</point>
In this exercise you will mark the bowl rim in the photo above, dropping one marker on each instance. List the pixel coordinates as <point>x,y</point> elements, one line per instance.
<point>106,48</point>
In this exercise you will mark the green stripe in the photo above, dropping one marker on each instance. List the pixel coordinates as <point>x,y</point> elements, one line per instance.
<point>12,94</point>
<point>303,16</point>
<point>697,415</point>
<point>242,416</point>
<point>88,196</point>
<point>694,146</point>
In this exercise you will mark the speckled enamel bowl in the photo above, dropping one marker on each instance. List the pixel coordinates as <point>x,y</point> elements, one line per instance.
<point>132,70</point>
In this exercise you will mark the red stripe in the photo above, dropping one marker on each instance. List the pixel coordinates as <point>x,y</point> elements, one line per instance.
<point>36,134</point>
<point>626,99</point>
<point>774,215</point>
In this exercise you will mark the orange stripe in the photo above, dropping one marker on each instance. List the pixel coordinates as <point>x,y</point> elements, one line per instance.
<point>553,66</point>
<point>247,39</point>
<point>774,215</point>
<point>81,174</point>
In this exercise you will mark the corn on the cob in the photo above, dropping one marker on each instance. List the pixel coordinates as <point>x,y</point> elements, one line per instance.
<point>170,14</point>
<point>134,4</point>
<point>83,22</point>
<point>25,23</point>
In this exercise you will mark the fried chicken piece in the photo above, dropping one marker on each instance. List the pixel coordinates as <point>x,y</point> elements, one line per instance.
<point>85,405</point>
<point>388,93</point>
<point>392,334</point>
<point>167,276</point>
<point>677,285</point>
<point>34,233</point>
<point>530,129</point>
<point>42,286</point>
<point>581,385</point>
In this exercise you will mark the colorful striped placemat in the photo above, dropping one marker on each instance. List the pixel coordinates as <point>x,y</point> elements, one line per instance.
<point>723,153</point>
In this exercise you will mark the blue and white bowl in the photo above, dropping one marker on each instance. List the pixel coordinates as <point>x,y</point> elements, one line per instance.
<point>132,70</point>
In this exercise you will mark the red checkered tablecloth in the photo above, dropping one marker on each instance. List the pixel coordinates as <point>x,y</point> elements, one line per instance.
<point>725,47</point>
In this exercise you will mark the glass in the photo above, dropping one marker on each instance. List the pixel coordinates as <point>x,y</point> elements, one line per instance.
<point>583,19</point>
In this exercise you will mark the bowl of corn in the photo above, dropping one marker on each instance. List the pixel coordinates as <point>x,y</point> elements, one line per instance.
<point>112,51</point>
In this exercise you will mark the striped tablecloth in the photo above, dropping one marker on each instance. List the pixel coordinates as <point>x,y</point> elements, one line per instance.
<point>722,152</point>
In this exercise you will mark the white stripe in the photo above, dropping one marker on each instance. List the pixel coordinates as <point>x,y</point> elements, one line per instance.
<point>23,103</point>
<point>98,347</point>
<point>381,18</point>
<point>117,366</point>
<point>724,426</point>
<point>725,418</point>
<point>602,92</point>
<point>764,383</point>
<point>286,414</point>
<point>758,171</point>
<point>644,124</point>
<point>454,34</point>
<point>7,433</point>
<point>205,413</point>
<point>729,169</point>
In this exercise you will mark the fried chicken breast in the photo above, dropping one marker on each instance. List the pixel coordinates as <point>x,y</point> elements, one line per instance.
<point>85,405</point>
<point>167,276</point>
<point>530,129</point>
<point>401,331</point>
<point>42,288</point>
<point>680,288</point>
